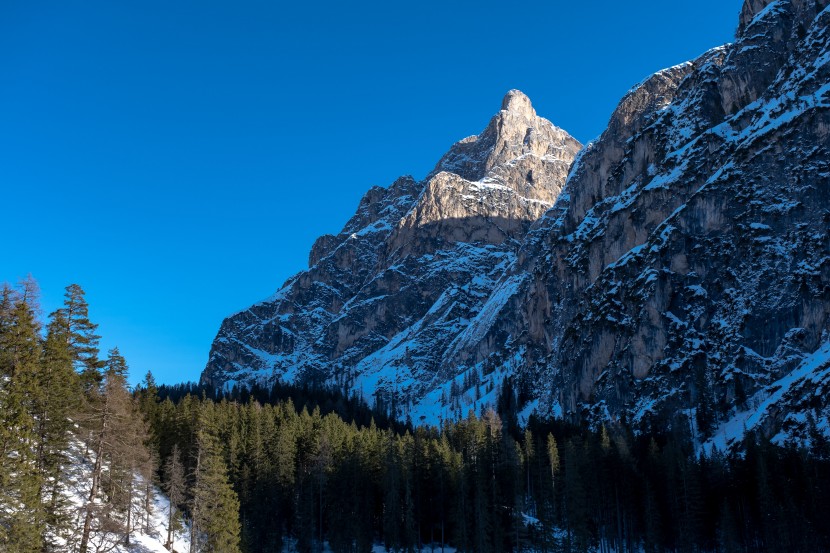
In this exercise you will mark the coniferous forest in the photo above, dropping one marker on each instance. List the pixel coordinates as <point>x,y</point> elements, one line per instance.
<point>301,469</point>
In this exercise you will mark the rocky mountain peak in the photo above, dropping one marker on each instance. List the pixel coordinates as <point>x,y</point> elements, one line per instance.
<point>489,188</point>
<point>514,133</point>
<point>384,298</point>
<point>516,101</point>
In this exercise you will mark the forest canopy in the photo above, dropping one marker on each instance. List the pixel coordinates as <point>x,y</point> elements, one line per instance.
<point>303,469</point>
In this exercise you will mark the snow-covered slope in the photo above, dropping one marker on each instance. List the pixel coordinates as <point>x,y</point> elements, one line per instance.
<point>149,528</point>
<point>681,274</point>
<point>794,406</point>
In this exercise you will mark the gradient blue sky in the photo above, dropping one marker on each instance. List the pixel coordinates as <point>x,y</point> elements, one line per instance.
<point>178,158</point>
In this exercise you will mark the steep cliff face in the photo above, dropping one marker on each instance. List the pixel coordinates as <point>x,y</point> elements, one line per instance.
<point>382,298</point>
<point>684,273</point>
<point>681,277</point>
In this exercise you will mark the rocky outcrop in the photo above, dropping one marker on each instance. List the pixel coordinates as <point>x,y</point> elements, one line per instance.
<point>514,144</point>
<point>381,299</point>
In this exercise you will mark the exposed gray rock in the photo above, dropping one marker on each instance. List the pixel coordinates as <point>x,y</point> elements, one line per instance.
<point>411,266</point>
<point>681,277</point>
<point>685,269</point>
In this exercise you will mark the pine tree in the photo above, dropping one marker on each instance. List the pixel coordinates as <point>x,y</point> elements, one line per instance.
<point>392,514</point>
<point>705,415</point>
<point>116,364</point>
<point>22,517</point>
<point>553,456</point>
<point>80,335</point>
<point>58,401</point>
<point>148,404</point>
<point>215,505</point>
<point>136,466</point>
<point>555,467</point>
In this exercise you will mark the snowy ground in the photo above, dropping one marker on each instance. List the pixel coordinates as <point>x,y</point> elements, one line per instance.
<point>150,529</point>
<point>811,376</point>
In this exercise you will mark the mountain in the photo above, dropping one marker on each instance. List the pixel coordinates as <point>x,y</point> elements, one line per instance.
<point>684,271</point>
<point>384,298</point>
<point>679,278</point>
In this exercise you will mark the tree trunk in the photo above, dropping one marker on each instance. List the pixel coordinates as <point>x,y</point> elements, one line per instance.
<point>194,530</point>
<point>129,509</point>
<point>96,479</point>
<point>169,543</point>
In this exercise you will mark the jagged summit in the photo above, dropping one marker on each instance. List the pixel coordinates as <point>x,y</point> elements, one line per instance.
<point>517,102</point>
<point>384,298</point>
<point>514,132</point>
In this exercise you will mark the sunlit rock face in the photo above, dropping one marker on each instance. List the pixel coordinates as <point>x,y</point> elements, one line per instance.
<point>673,274</point>
<point>382,300</point>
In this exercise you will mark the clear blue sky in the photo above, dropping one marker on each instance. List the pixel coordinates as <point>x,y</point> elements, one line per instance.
<point>178,159</point>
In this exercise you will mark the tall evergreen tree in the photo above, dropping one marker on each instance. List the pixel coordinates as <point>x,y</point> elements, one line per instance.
<point>56,404</point>
<point>555,466</point>
<point>148,403</point>
<point>81,336</point>
<point>215,505</point>
<point>22,516</point>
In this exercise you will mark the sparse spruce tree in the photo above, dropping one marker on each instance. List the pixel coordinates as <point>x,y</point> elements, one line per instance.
<point>117,437</point>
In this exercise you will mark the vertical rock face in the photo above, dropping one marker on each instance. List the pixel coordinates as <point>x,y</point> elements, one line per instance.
<point>382,299</point>
<point>681,277</point>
